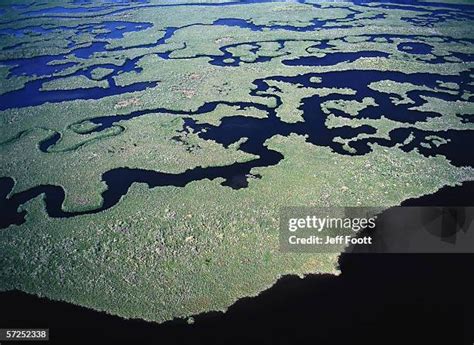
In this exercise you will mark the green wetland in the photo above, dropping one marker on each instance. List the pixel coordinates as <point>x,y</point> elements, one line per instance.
<point>147,147</point>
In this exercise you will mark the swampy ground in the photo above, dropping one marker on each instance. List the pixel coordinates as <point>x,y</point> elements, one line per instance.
<point>147,147</point>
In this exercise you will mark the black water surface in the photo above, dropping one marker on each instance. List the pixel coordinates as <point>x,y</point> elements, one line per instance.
<point>333,58</point>
<point>415,48</point>
<point>37,97</point>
